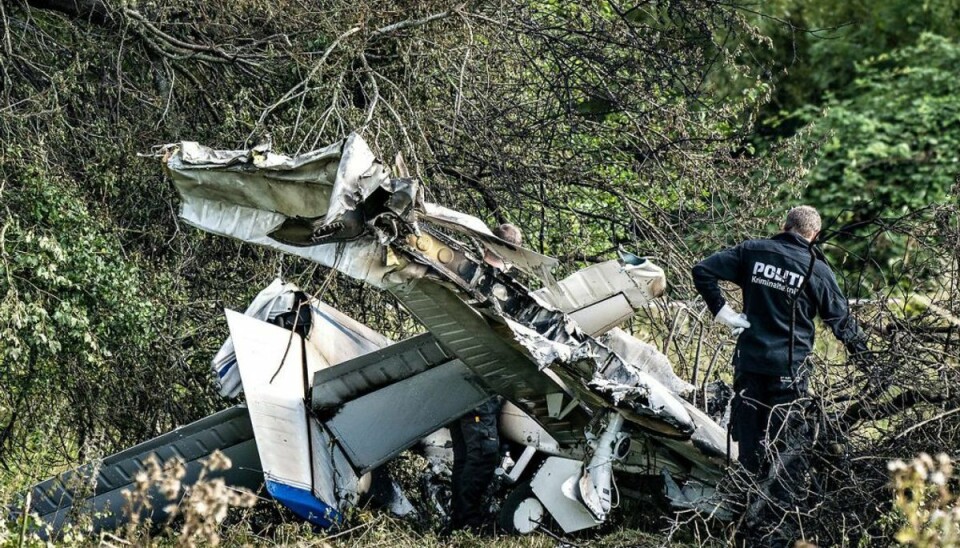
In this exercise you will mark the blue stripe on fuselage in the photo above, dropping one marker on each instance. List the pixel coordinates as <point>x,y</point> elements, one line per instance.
<point>304,504</point>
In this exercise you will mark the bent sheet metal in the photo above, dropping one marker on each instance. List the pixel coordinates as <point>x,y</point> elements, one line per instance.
<point>556,344</point>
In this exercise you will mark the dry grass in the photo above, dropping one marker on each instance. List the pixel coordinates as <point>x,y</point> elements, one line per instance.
<point>925,498</point>
<point>379,530</point>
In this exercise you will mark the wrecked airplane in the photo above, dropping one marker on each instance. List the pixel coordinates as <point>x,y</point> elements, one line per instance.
<point>329,401</point>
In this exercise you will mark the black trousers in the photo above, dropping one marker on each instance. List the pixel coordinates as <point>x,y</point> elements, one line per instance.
<point>768,422</point>
<point>476,450</point>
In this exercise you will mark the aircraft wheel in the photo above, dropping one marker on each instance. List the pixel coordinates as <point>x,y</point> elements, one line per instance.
<point>521,512</point>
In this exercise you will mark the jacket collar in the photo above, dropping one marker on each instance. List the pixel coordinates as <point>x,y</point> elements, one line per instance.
<point>798,240</point>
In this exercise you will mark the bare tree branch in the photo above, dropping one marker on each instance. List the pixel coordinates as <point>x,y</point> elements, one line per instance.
<point>413,23</point>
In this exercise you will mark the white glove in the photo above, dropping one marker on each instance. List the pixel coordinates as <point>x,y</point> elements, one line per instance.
<point>732,319</point>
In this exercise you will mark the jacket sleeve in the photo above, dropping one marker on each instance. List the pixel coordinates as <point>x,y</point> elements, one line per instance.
<point>723,265</point>
<point>833,309</point>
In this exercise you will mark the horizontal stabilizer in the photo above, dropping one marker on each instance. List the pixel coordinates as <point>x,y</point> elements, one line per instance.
<point>376,427</point>
<point>349,380</point>
<point>75,492</point>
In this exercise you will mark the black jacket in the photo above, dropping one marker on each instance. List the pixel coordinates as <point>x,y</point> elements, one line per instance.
<point>770,273</point>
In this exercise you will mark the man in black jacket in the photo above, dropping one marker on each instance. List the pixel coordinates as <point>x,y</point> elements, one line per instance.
<point>786,283</point>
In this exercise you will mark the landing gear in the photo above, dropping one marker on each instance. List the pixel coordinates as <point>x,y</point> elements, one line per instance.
<point>521,512</point>
<point>594,487</point>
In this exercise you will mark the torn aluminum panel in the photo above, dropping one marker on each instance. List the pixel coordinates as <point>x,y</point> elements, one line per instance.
<point>249,195</point>
<point>646,358</point>
<point>619,382</point>
<point>650,395</point>
<point>360,259</point>
<point>359,175</point>
<point>259,179</point>
<point>604,295</point>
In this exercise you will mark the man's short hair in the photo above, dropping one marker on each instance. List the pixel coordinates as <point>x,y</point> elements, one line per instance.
<point>803,220</point>
<point>509,232</point>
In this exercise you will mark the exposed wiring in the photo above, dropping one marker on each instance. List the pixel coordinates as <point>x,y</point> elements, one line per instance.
<point>616,491</point>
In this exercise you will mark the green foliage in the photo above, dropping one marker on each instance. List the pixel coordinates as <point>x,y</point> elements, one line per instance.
<point>893,139</point>
<point>822,43</point>
<point>109,310</point>
<point>72,317</point>
<point>867,89</point>
<point>890,143</point>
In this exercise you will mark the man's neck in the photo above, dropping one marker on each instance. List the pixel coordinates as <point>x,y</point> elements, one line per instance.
<point>801,236</point>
